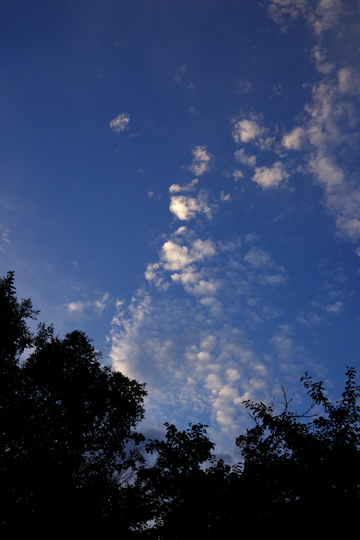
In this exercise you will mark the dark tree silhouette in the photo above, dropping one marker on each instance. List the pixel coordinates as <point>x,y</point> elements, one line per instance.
<point>67,430</point>
<point>305,468</point>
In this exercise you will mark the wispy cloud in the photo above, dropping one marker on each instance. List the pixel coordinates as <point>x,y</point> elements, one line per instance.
<point>175,188</point>
<point>244,158</point>
<point>4,240</point>
<point>322,17</point>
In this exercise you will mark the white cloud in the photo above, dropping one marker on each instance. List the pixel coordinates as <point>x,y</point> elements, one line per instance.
<point>175,188</point>
<point>175,257</point>
<point>5,240</point>
<point>326,171</point>
<point>237,174</point>
<point>186,208</point>
<point>246,131</point>
<point>241,156</point>
<point>201,162</point>
<point>294,139</point>
<point>76,308</point>
<point>321,63</point>
<point>325,16</point>
<point>349,81</point>
<point>270,177</point>
<point>257,257</point>
<point>100,304</point>
<point>334,308</point>
<point>279,10</point>
<point>224,197</point>
<point>120,123</point>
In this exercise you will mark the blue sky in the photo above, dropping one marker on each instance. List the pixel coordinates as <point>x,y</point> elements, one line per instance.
<point>180,180</point>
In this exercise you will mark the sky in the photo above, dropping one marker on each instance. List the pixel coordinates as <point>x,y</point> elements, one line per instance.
<point>180,180</point>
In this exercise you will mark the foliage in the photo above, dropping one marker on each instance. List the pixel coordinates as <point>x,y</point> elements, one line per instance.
<point>177,492</point>
<point>306,465</point>
<point>67,428</point>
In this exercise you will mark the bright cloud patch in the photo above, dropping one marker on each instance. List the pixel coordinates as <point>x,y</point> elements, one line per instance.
<point>201,162</point>
<point>120,123</point>
<point>186,208</point>
<point>175,188</point>
<point>294,139</point>
<point>270,177</point>
<point>75,307</point>
<point>246,131</point>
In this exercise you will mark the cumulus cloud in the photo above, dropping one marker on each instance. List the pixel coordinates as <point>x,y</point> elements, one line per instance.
<point>201,162</point>
<point>120,123</point>
<point>270,177</point>
<point>246,131</point>
<point>185,207</point>
<point>244,158</point>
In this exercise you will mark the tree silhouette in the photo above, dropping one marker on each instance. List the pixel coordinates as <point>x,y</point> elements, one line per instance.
<point>67,429</point>
<point>306,466</point>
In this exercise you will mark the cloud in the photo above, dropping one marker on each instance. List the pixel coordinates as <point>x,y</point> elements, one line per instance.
<point>270,177</point>
<point>334,308</point>
<point>241,156</point>
<point>201,162</point>
<point>349,81</point>
<point>100,304</point>
<point>5,240</point>
<point>322,65</point>
<point>75,308</point>
<point>280,10</point>
<point>237,175</point>
<point>179,73</point>
<point>243,87</point>
<point>175,188</point>
<point>224,197</point>
<point>325,16</point>
<point>120,123</point>
<point>294,139</point>
<point>251,131</point>
<point>257,257</point>
<point>197,346</point>
<point>246,130</point>
<point>185,207</point>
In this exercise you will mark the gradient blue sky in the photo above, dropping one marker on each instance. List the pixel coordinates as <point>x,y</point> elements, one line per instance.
<point>180,180</point>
